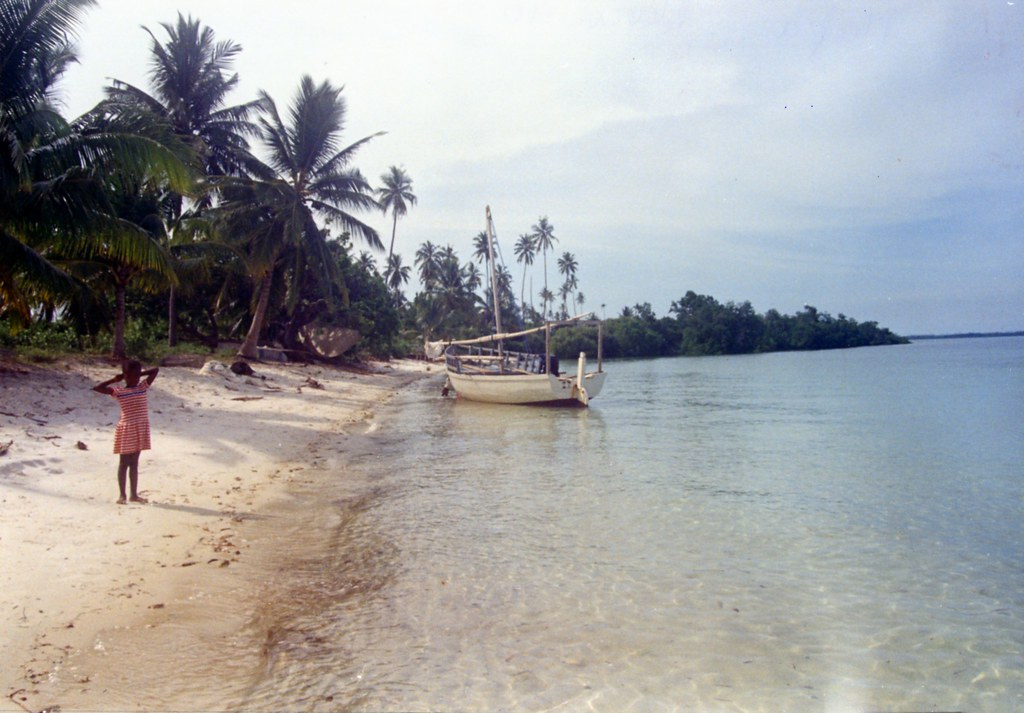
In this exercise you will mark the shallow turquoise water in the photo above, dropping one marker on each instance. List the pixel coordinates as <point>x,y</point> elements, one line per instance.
<point>812,531</point>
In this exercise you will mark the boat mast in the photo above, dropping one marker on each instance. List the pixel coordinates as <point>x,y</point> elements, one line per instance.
<point>494,277</point>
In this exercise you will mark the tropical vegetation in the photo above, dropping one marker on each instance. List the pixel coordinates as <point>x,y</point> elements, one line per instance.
<point>699,325</point>
<point>156,195</point>
<point>170,213</point>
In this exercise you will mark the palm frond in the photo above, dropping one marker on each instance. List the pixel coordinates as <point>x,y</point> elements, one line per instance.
<point>35,48</point>
<point>344,157</point>
<point>350,223</point>
<point>25,272</point>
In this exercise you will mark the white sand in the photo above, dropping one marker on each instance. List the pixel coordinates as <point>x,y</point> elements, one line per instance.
<point>74,565</point>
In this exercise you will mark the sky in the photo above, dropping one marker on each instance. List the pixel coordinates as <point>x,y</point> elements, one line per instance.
<point>866,158</point>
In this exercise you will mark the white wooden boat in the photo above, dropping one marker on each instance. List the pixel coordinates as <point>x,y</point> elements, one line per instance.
<point>493,374</point>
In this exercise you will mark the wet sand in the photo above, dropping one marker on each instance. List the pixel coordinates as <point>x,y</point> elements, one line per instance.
<point>105,606</point>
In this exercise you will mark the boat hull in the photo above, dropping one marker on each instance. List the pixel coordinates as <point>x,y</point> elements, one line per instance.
<point>537,389</point>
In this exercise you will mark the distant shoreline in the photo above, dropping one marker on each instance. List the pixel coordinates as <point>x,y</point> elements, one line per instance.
<point>966,335</point>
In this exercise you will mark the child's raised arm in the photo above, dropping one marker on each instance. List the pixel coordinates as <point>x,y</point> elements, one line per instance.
<point>150,374</point>
<point>104,388</point>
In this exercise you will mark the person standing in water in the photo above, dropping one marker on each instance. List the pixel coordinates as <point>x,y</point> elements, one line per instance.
<point>131,436</point>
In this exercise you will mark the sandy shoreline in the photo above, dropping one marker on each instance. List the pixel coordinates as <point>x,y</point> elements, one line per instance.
<point>77,571</point>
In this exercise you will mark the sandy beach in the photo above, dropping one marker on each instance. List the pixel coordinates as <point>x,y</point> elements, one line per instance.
<point>78,570</point>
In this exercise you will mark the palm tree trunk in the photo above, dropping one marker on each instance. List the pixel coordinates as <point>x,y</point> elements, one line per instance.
<point>172,320</point>
<point>249,348</point>
<point>522,296</point>
<point>118,351</point>
<point>394,227</point>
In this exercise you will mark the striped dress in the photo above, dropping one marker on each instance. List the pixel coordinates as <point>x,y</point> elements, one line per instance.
<point>132,432</point>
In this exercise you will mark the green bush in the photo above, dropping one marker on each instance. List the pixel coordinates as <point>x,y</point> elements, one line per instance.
<point>40,338</point>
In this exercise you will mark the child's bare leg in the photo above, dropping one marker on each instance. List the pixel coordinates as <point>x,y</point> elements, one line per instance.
<point>122,477</point>
<point>133,475</point>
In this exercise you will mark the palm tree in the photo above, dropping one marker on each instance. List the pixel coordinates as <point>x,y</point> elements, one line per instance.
<point>447,255</point>
<point>191,78</point>
<point>567,267</point>
<point>506,292</point>
<point>55,175</point>
<point>480,250</point>
<point>525,250</point>
<point>481,253</point>
<point>141,257</point>
<point>567,264</point>
<point>544,237</point>
<point>426,263</point>
<point>278,217</point>
<point>398,275</point>
<point>471,277</point>
<point>396,196</point>
<point>547,297</point>
<point>564,291</point>
<point>367,262</point>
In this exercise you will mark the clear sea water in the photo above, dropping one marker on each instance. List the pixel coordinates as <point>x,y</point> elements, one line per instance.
<point>830,531</point>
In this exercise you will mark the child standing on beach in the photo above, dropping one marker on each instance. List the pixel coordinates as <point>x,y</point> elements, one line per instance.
<point>131,436</point>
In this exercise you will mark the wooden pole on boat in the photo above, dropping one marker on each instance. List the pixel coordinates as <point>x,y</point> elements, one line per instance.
<point>600,346</point>
<point>581,370</point>
<point>547,347</point>
<point>494,277</point>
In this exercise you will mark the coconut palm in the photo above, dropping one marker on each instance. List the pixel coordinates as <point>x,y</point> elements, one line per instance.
<point>546,297</point>
<point>426,263</point>
<point>141,256</point>
<point>564,291</point>
<point>55,176</point>
<point>567,267</point>
<point>525,250</point>
<point>544,237</point>
<point>191,78</point>
<point>397,275</point>
<point>396,195</point>
<point>132,246</point>
<point>367,262</point>
<point>450,293</point>
<point>481,253</point>
<point>471,277</point>
<point>506,292</point>
<point>277,218</point>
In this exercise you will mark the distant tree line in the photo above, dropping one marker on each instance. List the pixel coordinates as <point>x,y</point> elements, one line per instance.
<point>966,335</point>
<point>699,325</point>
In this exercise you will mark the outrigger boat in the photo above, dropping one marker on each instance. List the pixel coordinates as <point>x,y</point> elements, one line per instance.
<point>493,374</point>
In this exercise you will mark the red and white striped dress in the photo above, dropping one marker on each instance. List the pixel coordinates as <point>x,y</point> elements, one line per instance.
<point>132,432</point>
